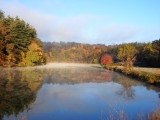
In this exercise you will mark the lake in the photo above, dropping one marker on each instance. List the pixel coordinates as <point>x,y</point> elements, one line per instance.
<point>61,91</point>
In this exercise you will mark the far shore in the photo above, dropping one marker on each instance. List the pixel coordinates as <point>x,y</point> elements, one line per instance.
<point>55,65</point>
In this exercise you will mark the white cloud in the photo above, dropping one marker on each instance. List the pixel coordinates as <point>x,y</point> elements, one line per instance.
<point>116,33</point>
<point>42,22</point>
<point>51,27</point>
<point>81,28</point>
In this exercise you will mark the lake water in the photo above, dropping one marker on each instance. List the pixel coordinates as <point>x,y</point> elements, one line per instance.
<point>73,92</point>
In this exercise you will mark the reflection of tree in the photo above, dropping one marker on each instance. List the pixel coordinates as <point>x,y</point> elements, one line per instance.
<point>127,83</point>
<point>126,90</point>
<point>152,87</point>
<point>18,87</point>
<point>77,75</point>
<point>17,91</point>
<point>127,93</point>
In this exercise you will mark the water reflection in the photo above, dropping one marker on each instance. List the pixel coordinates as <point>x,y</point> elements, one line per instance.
<point>126,89</point>
<point>74,75</point>
<point>71,92</point>
<point>17,90</point>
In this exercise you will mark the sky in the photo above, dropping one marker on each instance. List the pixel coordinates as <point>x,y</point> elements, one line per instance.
<point>106,22</point>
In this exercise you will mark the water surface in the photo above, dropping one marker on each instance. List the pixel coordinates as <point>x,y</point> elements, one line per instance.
<point>73,92</point>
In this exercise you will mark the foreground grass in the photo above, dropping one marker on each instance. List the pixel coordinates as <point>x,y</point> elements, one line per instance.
<point>121,115</point>
<point>149,75</point>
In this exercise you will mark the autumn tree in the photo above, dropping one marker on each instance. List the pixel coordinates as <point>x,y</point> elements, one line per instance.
<point>127,54</point>
<point>106,59</point>
<point>4,39</point>
<point>34,56</point>
<point>156,45</point>
<point>16,38</point>
<point>151,54</point>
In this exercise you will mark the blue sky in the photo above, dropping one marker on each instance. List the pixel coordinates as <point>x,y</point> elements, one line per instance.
<point>89,21</point>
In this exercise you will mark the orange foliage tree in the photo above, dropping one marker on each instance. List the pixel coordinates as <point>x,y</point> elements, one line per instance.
<point>105,59</point>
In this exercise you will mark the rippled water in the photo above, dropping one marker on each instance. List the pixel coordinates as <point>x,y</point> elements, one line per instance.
<point>73,92</point>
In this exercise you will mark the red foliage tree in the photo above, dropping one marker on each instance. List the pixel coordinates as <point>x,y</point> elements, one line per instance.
<point>106,59</point>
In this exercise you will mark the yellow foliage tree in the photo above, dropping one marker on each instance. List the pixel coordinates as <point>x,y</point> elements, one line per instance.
<point>127,54</point>
<point>34,56</point>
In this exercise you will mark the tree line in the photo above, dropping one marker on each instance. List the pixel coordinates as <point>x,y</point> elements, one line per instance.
<point>19,45</point>
<point>129,54</point>
<point>138,54</point>
<point>73,52</point>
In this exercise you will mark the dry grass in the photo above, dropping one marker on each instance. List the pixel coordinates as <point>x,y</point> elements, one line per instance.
<point>150,70</point>
<point>149,75</point>
<point>155,115</point>
<point>155,71</point>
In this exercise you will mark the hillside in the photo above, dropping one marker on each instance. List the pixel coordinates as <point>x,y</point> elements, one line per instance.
<point>73,52</point>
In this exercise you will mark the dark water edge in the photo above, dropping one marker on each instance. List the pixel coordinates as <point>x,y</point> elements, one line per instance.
<point>73,91</point>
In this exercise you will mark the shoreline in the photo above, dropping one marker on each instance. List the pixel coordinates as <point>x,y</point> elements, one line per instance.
<point>148,77</point>
<point>52,65</point>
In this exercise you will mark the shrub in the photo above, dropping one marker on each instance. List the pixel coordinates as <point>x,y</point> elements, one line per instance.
<point>106,59</point>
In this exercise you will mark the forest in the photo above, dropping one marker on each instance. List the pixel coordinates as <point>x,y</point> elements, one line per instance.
<point>73,52</point>
<point>144,54</point>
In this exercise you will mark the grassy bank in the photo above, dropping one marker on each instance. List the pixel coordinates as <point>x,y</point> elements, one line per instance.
<point>149,75</point>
